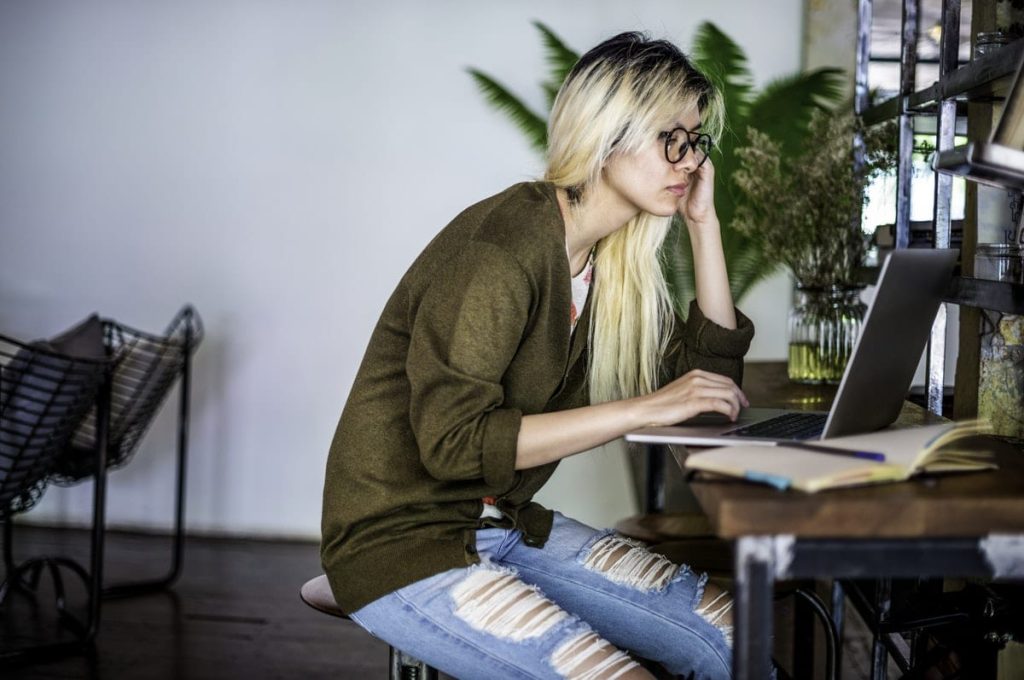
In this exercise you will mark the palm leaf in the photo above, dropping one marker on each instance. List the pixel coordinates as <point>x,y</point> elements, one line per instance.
<point>677,266</point>
<point>749,267</point>
<point>782,110</point>
<point>560,59</point>
<point>532,125</point>
<point>725,63</point>
<point>715,54</point>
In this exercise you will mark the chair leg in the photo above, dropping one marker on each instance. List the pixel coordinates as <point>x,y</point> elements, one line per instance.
<point>132,589</point>
<point>84,630</point>
<point>405,667</point>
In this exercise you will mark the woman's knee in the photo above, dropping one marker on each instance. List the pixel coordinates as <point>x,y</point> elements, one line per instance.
<point>672,590</point>
<point>494,601</point>
<point>632,563</point>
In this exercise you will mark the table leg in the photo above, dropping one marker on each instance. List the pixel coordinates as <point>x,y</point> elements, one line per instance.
<point>654,484</point>
<point>755,576</point>
<point>838,619</point>
<point>879,654</point>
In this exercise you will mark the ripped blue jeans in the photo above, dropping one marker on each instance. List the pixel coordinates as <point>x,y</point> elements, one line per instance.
<point>575,608</point>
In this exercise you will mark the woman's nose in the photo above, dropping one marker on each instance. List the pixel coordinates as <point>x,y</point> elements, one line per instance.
<point>688,163</point>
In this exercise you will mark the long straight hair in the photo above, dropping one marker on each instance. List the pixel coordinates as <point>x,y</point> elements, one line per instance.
<point>616,99</point>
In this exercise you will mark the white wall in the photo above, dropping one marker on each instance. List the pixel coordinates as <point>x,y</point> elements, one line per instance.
<point>278,164</point>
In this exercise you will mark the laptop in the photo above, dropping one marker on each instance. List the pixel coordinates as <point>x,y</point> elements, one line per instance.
<point>896,328</point>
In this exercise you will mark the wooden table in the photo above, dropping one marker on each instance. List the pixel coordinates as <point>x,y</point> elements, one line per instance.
<point>962,525</point>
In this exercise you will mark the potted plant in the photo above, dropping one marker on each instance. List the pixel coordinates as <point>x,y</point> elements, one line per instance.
<point>803,208</point>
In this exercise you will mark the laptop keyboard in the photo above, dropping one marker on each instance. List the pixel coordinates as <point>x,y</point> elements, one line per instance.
<point>785,426</point>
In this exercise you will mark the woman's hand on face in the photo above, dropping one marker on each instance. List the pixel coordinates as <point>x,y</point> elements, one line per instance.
<point>694,393</point>
<point>697,205</point>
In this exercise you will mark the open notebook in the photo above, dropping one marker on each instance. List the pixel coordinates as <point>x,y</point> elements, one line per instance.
<point>932,448</point>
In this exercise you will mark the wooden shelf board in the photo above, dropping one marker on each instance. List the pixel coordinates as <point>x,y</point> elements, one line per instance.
<point>998,296</point>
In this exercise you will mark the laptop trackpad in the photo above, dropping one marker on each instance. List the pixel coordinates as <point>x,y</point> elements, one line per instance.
<point>747,416</point>
<point>707,419</point>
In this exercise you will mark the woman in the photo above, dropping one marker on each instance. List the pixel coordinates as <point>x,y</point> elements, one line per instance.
<point>535,326</point>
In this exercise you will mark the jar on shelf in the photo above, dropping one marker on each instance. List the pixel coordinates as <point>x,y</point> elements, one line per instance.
<point>823,327</point>
<point>988,42</point>
<point>1001,359</point>
<point>999,262</point>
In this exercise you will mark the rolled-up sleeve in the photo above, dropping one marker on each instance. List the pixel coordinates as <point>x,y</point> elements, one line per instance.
<point>701,343</point>
<point>464,334</point>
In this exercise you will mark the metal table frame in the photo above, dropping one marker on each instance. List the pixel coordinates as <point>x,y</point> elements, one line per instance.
<point>762,560</point>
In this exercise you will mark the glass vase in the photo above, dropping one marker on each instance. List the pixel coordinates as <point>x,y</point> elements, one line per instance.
<point>823,327</point>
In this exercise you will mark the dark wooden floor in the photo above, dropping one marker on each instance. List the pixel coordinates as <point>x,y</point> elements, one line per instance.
<point>234,613</point>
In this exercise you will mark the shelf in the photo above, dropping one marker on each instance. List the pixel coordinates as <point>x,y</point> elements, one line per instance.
<point>983,162</point>
<point>998,296</point>
<point>977,80</point>
<point>879,113</point>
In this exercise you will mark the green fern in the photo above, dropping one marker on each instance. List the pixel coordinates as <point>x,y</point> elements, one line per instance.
<point>783,108</point>
<point>560,60</point>
<point>531,124</point>
<point>725,64</point>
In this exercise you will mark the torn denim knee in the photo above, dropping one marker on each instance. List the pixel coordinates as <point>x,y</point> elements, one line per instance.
<point>629,562</point>
<point>494,600</point>
<point>586,656</point>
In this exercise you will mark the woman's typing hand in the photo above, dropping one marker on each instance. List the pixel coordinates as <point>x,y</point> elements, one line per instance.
<point>694,393</point>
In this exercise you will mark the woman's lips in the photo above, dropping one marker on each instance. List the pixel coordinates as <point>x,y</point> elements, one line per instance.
<point>678,189</point>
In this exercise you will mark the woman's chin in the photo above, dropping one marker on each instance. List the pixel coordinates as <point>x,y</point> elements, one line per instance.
<point>665,210</point>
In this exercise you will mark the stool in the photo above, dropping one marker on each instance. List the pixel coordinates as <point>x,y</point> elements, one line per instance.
<point>317,594</point>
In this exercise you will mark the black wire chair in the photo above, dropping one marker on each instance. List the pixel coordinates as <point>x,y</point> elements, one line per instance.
<point>44,395</point>
<point>146,366</point>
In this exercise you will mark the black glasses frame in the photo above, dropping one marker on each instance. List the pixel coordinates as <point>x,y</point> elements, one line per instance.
<point>693,141</point>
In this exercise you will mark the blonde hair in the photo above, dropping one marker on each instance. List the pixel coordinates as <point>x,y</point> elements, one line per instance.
<point>616,99</point>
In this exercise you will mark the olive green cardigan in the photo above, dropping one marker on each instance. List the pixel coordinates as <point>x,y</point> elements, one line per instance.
<point>475,337</point>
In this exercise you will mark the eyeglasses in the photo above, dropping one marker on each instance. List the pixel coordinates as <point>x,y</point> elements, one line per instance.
<point>680,140</point>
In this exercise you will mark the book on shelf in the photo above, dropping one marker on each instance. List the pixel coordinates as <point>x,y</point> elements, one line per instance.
<point>906,452</point>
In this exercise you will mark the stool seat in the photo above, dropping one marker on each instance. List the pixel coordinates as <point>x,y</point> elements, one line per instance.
<point>664,526</point>
<point>316,592</point>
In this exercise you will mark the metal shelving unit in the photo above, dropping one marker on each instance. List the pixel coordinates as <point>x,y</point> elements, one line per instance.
<point>981,80</point>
